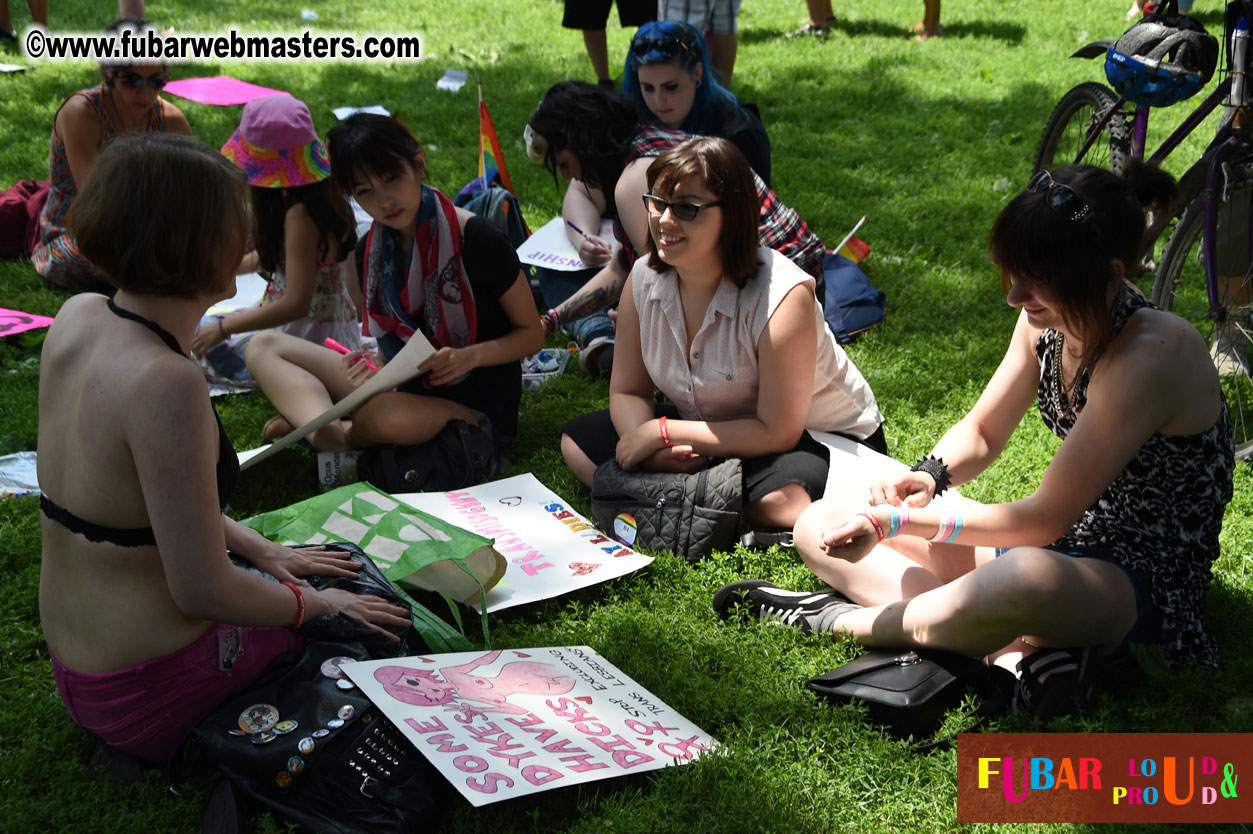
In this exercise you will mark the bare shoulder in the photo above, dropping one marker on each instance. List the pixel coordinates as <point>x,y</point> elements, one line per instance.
<point>175,121</point>
<point>78,120</point>
<point>1162,340</point>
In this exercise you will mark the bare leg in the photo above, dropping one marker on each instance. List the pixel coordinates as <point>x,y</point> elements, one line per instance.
<point>6,21</point>
<point>302,380</point>
<point>580,464</point>
<point>779,508</point>
<point>404,419</point>
<point>130,8</point>
<point>722,49</point>
<point>38,11</point>
<point>597,46</point>
<point>819,12</point>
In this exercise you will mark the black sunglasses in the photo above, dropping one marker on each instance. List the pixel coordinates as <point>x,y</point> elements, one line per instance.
<point>684,211</point>
<point>133,80</point>
<point>669,46</point>
<point>1061,198</point>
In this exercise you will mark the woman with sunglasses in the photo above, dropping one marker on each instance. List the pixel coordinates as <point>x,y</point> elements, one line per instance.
<point>732,334</point>
<point>591,137</point>
<point>668,76</point>
<point>1115,545</point>
<point>126,102</point>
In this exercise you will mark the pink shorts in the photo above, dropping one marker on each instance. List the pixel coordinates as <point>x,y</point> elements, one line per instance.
<point>146,710</point>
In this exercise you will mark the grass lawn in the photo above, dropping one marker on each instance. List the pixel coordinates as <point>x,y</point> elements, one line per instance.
<point>930,140</point>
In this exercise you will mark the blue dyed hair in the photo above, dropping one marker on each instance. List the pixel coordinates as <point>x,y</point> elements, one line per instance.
<point>708,94</point>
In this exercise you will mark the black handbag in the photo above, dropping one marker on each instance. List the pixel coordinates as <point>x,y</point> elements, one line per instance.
<point>461,455</point>
<point>687,514</point>
<point>909,691</point>
<point>326,758</point>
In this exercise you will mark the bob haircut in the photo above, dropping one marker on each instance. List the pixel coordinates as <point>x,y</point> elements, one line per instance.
<point>594,124</point>
<point>1073,258</point>
<point>370,145</point>
<point>690,54</point>
<point>723,169</point>
<point>162,214</point>
<point>327,208</point>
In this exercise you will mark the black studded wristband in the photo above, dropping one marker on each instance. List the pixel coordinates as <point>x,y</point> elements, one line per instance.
<point>936,468</point>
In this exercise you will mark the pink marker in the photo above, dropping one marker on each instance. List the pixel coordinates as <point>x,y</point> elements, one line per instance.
<point>338,348</point>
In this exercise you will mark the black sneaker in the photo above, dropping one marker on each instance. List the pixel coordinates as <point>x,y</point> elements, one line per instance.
<point>809,611</point>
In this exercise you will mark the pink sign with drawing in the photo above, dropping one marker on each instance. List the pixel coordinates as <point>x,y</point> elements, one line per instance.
<point>503,724</point>
<point>13,322</point>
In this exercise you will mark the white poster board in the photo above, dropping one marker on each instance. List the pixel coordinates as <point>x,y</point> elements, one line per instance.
<point>551,549</point>
<point>504,724</point>
<point>550,246</point>
<point>855,467</point>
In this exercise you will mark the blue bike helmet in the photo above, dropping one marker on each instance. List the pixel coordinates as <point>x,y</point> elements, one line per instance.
<point>1161,60</point>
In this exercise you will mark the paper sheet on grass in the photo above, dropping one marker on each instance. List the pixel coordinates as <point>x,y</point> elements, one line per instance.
<point>399,370</point>
<point>220,90</point>
<point>13,322</point>
<point>505,724</point>
<point>18,475</point>
<point>550,247</point>
<point>551,549</point>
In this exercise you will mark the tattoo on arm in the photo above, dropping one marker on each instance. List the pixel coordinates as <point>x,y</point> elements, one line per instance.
<point>590,300</point>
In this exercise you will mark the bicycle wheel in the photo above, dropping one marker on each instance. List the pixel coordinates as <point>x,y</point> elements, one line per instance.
<point>1180,288</point>
<point>1068,127</point>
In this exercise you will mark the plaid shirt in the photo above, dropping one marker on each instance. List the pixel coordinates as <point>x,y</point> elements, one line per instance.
<point>780,228</point>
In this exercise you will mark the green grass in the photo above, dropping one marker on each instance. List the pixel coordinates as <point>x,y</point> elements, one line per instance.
<point>930,140</point>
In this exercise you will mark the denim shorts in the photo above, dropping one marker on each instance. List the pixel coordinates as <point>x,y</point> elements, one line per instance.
<point>1147,627</point>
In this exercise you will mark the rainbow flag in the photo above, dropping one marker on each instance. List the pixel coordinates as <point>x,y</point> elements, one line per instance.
<point>489,148</point>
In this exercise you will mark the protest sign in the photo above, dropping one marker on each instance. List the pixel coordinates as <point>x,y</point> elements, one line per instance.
<point>551,549</point>
<point>504,724</point>
<point>550,247</point>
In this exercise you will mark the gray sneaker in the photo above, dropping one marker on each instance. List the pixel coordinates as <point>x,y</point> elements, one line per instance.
<point>592,358</point>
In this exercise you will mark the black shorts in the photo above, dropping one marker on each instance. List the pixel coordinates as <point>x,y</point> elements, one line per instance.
<point>806,463</point>
<point>594,14</point>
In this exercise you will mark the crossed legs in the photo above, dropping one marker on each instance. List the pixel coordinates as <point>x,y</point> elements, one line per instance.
<point>303,380</point>
<point>965,600</point>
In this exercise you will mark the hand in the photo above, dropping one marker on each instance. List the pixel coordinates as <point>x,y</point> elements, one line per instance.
<point>851,539</point>
<point>447,365</point>
<point>354,364</point>
<point>206,338</point>
<point>594,252</point>
<point>287,564</point>
<point>639,443</point>
<point>374,612</point>
<point>913,488</point>
<point>674,459</point>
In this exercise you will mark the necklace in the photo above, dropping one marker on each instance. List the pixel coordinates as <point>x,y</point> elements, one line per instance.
<point>1063,393</point>
<point>122,126</point>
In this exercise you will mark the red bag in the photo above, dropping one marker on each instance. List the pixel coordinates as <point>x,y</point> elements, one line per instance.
<point>20,208</point>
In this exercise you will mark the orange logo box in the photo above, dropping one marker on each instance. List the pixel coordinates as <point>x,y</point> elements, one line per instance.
<point>1111,777</point>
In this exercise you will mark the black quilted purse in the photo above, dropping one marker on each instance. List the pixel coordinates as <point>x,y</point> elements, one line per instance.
<point>461,455</point>
<point>690,515</point>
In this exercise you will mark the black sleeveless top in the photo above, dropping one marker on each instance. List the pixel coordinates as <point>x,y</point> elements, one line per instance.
<point>227,469</point>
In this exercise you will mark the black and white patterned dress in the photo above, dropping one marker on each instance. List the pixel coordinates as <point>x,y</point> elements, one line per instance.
<point>1162,515</point>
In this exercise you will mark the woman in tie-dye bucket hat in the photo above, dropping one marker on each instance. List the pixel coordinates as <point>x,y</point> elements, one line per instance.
<point>302,231</point>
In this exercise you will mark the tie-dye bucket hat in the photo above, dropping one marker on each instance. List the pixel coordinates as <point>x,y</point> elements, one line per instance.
<point>276,144</point>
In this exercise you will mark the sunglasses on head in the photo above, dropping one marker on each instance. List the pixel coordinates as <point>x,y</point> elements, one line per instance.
<point>133,80</point>
<point>1061,198</point>
<point>669,46</point>
<point>684,211</point>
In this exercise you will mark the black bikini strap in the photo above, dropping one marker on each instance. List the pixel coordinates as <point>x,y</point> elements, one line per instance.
<point>166,336</point>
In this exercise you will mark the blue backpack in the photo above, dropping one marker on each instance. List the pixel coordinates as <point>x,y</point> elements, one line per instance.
<point>851,304</point>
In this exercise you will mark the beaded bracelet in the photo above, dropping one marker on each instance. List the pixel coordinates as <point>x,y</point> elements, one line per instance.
<point>300,605</point>
<point>665,433</point>
<point>551,320</point>
<point>937,469</point>
<point>878,528</point>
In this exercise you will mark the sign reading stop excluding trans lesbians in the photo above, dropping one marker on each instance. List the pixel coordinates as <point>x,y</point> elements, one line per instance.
<point>1104,777</point>
<point>507,723</point>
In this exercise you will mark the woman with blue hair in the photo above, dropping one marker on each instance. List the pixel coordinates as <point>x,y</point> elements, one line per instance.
<point>669,78</point>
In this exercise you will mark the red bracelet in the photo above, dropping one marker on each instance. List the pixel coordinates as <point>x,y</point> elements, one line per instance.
<point>665,434</point>
<point>300,605</point>
<point>878,528</point>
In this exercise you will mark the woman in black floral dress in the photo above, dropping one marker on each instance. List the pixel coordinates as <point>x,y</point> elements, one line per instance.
<point>1115,545</point>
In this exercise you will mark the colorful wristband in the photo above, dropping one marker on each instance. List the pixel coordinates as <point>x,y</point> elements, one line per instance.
<point>957,527</point>
<point>947,521</point>
<point>895,526</point>
<point>665,434</point>
<point>300,605</point>
<point>878,528</point>
<point>904,518</point>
